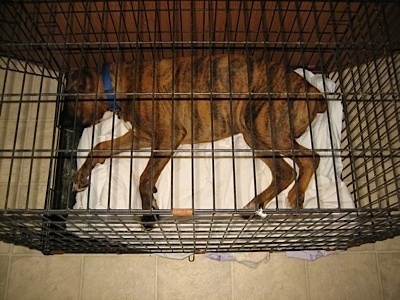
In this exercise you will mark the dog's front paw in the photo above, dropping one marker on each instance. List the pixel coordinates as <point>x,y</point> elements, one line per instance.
<point>81,181</point>
<point>149,221</point>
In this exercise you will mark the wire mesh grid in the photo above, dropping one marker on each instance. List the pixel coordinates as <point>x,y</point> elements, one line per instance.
<point>355,44</point>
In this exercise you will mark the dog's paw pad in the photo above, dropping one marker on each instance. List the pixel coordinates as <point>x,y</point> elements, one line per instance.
<point>149,221</point>
<point>80,184</point>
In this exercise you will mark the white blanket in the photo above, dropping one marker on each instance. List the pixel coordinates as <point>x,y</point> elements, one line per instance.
<point>214,181</point>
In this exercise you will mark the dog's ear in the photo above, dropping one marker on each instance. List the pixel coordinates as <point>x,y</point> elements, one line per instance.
<point>78,81</point>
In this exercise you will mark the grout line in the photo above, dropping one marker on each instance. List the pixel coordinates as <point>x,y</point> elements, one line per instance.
<point>307,280</point>
<point>8,278</point>
<point>378,270</point>
<point>232,280</point>
<point>156,279</point>
<point>81,279</point>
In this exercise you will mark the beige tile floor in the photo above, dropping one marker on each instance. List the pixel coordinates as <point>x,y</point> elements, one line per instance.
<point>367,272</point>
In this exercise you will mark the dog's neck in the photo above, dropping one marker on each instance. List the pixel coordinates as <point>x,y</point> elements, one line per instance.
<point>108,88</point>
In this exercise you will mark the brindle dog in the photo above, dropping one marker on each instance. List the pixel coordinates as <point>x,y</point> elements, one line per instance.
<point>190,100</point>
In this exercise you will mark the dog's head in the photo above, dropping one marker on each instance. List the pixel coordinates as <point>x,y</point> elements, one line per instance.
<point>82,99</point>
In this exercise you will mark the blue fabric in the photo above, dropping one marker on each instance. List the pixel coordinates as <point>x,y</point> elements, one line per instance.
<point>108,88</point>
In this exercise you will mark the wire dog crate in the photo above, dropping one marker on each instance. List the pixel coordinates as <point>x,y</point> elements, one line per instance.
<point>354,44</point>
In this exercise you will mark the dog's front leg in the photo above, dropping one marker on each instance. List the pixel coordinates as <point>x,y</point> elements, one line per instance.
<point>163,150</point>
<point>99,154</point>
<point>147,187</point>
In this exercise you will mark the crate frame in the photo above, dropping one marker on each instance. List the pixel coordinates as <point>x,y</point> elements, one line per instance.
<point>46,39</point>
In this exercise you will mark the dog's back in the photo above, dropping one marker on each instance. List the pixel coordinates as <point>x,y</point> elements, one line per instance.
<point>214,97</point>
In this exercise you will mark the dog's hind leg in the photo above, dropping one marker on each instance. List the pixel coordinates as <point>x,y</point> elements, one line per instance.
<point>282,175</point>
<point>163,150</point>
<point>307,160</point>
